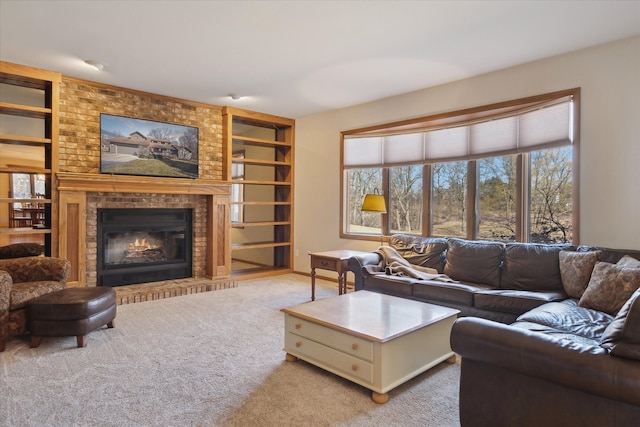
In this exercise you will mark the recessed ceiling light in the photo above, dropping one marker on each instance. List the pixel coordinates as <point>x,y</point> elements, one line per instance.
<point>94,64</point>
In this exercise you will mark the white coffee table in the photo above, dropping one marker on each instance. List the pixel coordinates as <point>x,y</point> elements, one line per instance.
<point>375,340</point>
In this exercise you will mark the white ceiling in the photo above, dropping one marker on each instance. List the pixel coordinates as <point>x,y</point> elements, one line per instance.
<point>295,58</point>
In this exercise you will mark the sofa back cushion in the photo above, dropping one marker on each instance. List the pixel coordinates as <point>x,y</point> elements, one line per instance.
<point>610,255</point>
<point>532,266</point>
<point>474,261</point>
<point>611,285</point>
<point>575,270</point>
<point>622,336</point>
<point>423,251</point>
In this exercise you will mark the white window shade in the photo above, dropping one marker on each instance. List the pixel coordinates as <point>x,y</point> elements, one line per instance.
<point>447,143</point>
<point>549,125</point>
<point>404,148</point>
<point>494,136</point>
<point>363,151</point>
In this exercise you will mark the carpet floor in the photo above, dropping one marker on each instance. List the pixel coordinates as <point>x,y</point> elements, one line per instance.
<point>205,359</point>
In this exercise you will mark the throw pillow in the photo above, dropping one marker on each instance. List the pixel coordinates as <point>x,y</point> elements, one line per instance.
<point>575,270</point>
<point>628,261</point>
<point>19,250</point>
<point>610,286</point>
<point>622,336</point>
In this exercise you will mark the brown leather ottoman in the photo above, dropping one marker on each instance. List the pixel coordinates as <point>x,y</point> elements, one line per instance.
<point>71,311</point>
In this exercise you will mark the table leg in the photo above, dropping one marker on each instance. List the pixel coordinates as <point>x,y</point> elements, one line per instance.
<point>313,284</point>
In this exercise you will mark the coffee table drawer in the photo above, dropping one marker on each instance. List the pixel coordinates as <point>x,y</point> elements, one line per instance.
<point>339,340</point>
<point>329,358</point>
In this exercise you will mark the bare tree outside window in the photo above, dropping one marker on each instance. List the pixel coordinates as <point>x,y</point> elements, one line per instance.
<point>498,198</point>
<point>405,201</point>
<point>449,202</point>
<point>551,192</point>
<point>362,182</point>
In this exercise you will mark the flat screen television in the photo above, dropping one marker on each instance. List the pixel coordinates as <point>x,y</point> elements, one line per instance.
<point>130,146</point>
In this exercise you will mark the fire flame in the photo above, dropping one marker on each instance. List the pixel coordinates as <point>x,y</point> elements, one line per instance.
<point>140,245</point>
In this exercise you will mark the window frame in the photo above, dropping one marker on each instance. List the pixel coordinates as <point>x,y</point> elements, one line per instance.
<point>460,117</point>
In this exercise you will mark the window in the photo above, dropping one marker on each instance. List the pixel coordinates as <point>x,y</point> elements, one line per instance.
<point>405,201</point>
<point>362,182</point>
<point>449,199</point>
<point>237,190</point>
<point>497,185</point>
<point>499,172</point>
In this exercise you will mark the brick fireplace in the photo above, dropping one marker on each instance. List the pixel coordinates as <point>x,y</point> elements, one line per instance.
<point>81,195</point>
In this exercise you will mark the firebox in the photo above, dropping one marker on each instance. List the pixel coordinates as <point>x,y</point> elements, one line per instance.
<point>143,245</point>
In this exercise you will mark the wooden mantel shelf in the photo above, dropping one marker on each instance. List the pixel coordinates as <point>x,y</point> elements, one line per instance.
<point>68,181</point>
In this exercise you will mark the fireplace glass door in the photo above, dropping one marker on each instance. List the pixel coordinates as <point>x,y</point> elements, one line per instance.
<point>143,245</point>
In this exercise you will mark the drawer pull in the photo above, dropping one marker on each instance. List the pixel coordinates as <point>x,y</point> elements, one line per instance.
<point>355,368</point>
<point>298,344</point>
<point>355,347</point>
<point>298,326</point>
<point>324,263</point>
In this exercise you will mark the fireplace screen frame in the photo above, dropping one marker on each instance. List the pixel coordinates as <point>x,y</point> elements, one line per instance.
<point>138,221</point>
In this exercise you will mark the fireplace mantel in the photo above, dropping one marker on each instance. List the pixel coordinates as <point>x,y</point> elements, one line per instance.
<point>72,189</point>
<point>68,181</point>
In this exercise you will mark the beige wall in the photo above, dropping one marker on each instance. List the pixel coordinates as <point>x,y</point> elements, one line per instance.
<point>609,76</point>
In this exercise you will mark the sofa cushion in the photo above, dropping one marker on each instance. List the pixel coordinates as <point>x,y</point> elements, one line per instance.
<point>532,266</point>
<point>423,251</point>
<point>610,286</point>
<point>476,262</point>
<point>566,316</point>
<point>514,301</point>
<point>575,270</point>
<point>586,343</point>
<point>456,293</point>
<point>622,336</point>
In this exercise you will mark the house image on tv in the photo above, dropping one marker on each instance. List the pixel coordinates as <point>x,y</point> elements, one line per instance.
<point>139,145</point>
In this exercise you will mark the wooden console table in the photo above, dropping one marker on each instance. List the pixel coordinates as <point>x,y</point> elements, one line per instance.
<point>332,261</point>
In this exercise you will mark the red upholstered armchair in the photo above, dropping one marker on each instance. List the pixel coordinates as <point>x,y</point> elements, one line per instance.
<point>21,280</point>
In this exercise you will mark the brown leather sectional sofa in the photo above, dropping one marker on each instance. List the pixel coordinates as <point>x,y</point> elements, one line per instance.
<point>531,354</point>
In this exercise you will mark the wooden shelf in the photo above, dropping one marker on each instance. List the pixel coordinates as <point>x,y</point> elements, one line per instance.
<point>43,132</point>
<point>24,110</point>
<point>259,223</point>
<point>261,162</point>
<point>12,200</point>
<point>258,182</point>
<point>258,245</point>
<point>26,169</point>
<point>262,203</point>
<point>24,140</point>
<point>259,147</point>
<point>25,230</point>
<point>244,140</point>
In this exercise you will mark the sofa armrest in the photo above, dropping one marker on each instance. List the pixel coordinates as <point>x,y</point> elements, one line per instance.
<point>573,365</point>
<point>357,264</point>
<point>36,269</point>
